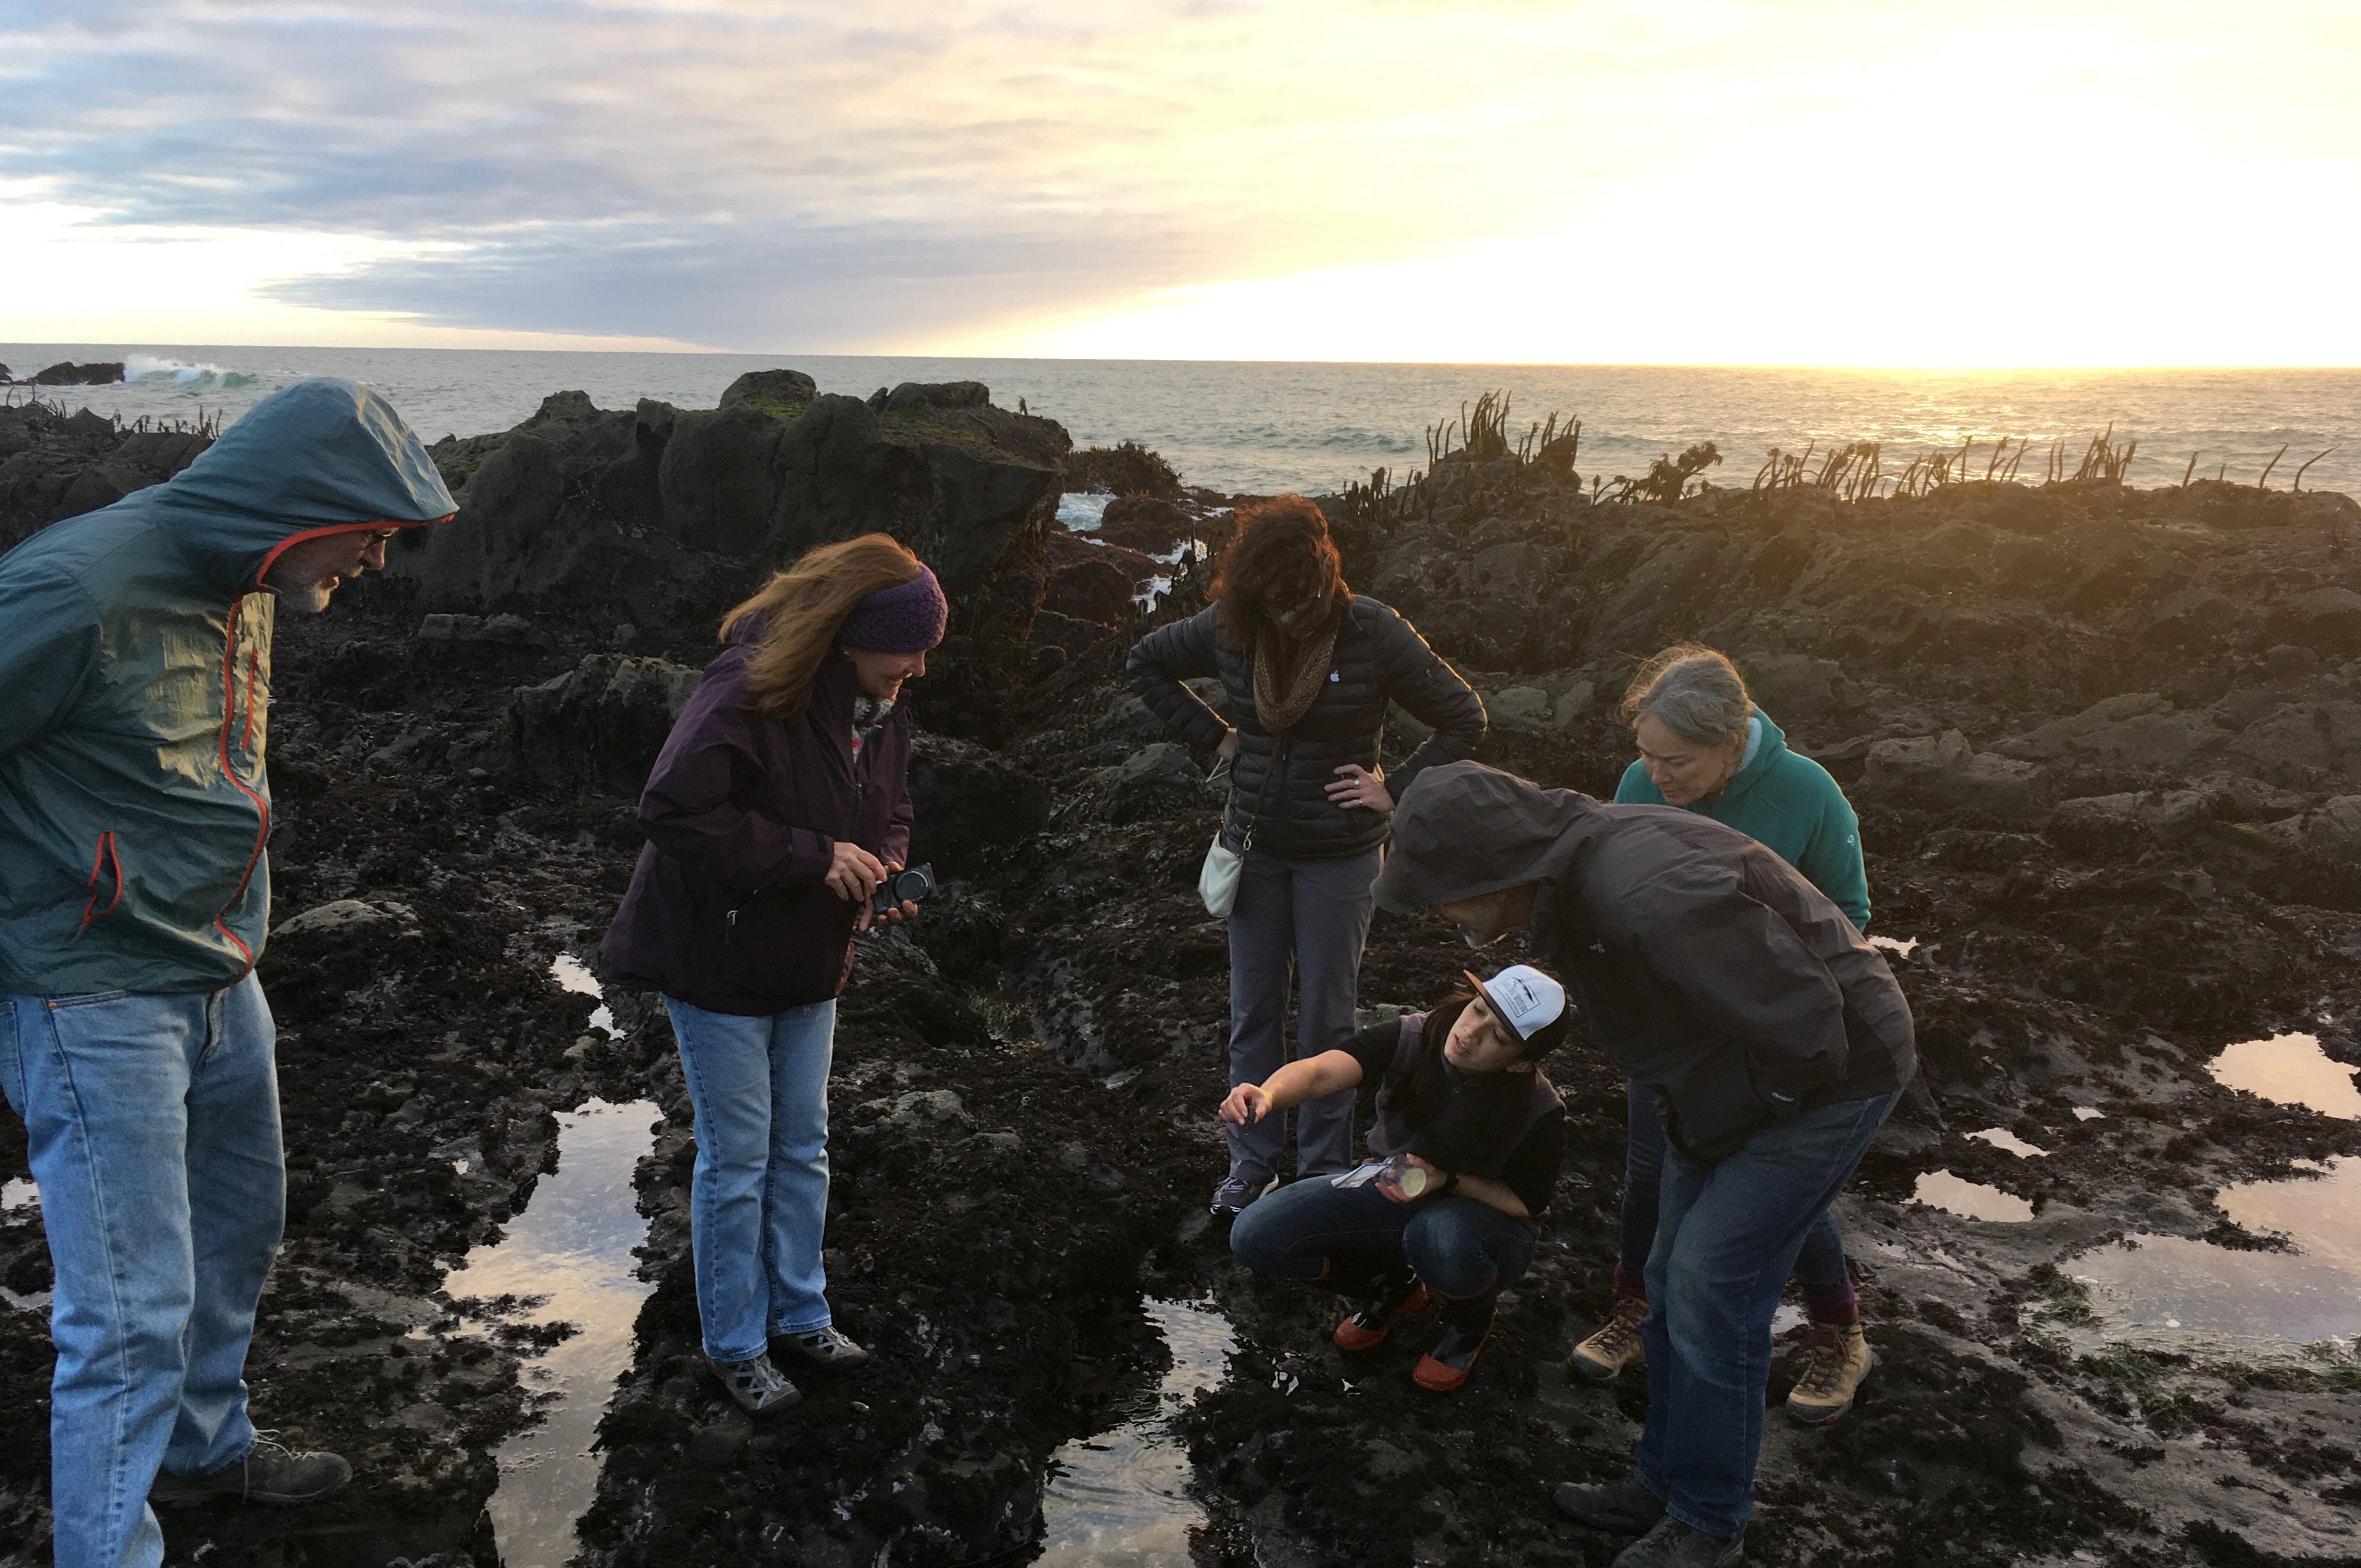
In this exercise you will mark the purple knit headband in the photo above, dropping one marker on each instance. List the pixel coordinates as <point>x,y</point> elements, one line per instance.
<point>908,618</point>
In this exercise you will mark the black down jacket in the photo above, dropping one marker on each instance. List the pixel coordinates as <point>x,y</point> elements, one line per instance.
<point>1379,656</point>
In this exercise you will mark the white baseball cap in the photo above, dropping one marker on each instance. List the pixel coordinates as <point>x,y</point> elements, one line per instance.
<point>1523,998</point>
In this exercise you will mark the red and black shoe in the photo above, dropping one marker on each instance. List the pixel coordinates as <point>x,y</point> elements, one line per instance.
<point>1468,1325</point>
<point>1392,1296</point>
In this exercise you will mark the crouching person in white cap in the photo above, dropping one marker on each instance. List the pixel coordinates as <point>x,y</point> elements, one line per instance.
<point>1466,1150</point>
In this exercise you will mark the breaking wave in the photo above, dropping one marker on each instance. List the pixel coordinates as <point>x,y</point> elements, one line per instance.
<point>199,378</point>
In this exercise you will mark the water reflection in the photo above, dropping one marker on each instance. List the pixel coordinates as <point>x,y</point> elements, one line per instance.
<point>2178,1283</point>
<point>19,1193</point>
<point>2001,1138</point>
<point>1970,1199</point>
<point>573,1244</point>
<point>1120,1499</point>
<point>570,975</point>
<point>2292,1070</point>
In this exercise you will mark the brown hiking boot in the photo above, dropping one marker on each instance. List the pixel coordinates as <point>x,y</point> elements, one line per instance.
<point>1838,1360</point>
<point>1615,1346</point>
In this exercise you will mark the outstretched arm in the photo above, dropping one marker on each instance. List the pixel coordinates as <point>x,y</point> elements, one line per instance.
<point>1307,1077</point>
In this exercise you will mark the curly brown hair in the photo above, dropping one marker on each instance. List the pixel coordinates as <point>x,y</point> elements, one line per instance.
<point>1279,556</point>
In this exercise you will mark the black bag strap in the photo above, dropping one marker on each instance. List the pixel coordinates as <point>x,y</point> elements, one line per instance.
<point>1255,817</point>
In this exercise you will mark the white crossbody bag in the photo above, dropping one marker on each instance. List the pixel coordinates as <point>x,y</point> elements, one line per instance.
<point>1217,881</point>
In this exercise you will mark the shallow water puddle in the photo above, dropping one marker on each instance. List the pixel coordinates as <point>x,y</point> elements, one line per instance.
<point>2180,1283</point>
<point>2001,1138</point>
<point>2292,1070</point>
<point>1120,1499</point>
<point>19,1193</point>
<point>570,975</point>
<point>1970,1199</point>
<point>572,1245</point>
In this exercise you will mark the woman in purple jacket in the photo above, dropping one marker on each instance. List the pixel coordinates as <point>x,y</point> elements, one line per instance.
<point>778,804</point>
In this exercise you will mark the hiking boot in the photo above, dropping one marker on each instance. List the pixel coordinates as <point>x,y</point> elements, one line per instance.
<point>1624,1505</point>
<point>1443,1369</point>
<point>270,1472</point>
<point>825,1348</point>
<point>1392,1296</point>
<point>1237,1191</point>
<point>1838,1360</point>
<point>757,1386</point>
<point>1673,1544</point>
<point>1615,1346</point>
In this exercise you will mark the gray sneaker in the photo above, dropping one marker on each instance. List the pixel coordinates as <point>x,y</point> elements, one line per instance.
<point>757,1386</point>
<point>1237,1191</point>
<point>270,1472</point>
<point>826,1348</point>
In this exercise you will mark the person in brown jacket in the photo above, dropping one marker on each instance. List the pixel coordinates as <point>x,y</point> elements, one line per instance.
<point>1775,1037</point>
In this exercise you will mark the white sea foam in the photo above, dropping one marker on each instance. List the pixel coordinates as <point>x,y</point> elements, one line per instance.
<point>153,370</point>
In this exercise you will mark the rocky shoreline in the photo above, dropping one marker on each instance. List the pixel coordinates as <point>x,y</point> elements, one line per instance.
<point>2106,745</point>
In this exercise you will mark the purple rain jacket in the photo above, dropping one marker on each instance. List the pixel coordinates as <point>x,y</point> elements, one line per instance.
<point>727,910</point>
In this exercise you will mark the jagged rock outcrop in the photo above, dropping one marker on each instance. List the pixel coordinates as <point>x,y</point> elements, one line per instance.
<point>668,515</point>
<point>1994,648</point>
<point>56,465</point>
<point>602,722</point>
<point>65,373</point>
<point>967,799</point>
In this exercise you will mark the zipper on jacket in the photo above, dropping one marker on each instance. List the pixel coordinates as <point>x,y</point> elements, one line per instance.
<point>229,772</point>
<point>104,860</point>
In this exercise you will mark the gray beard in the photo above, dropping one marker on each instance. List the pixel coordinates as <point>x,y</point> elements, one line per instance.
<point>306,595</point>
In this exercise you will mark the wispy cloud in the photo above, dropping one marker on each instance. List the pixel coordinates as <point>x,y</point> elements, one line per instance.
<point>761,175</point>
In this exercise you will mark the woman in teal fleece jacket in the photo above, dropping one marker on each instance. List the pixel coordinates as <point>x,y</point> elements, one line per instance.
<point>1705,746</point>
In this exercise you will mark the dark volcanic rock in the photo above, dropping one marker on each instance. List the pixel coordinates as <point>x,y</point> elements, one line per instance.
<point>66,373</point>
<point>668,516</point>
<point>602,723</point>
<point>1126,469</point>
<point>57,465</point>
<point>968,799</point>
<point>1089,590</point>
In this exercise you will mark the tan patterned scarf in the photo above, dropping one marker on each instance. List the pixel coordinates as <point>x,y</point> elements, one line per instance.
<point>1288,674</point>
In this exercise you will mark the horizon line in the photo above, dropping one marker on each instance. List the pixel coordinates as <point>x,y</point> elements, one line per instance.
<point>691,350</point>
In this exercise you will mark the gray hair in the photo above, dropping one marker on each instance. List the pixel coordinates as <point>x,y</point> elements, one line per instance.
<point>1692,691</point>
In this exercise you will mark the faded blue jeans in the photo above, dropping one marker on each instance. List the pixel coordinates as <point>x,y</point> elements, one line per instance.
<point>1459,1248</point>
<point>1820,1269</point>
<point>153,1129</point>
<point>1726,1242</point>
<point>758,1198</point>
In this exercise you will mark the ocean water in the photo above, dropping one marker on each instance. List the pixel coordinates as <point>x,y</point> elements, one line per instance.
<point>1263,427</point>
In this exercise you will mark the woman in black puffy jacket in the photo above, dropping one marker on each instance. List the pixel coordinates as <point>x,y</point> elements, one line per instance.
<point>1306,668</point>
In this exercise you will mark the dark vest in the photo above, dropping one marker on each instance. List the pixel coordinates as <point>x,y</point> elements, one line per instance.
<point>1387,1136</point>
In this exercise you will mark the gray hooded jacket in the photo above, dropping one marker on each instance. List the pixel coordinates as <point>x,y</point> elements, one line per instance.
<point>1706,967</point>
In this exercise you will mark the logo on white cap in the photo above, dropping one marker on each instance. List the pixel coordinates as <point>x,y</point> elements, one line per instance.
<point>1524,998</point>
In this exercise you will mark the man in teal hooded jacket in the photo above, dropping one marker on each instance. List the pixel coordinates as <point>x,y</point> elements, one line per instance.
<point>135,1042</point>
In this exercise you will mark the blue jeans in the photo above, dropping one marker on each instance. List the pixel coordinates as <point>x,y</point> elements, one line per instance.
<point>153,1128</point>
<point>1308,919</point>
<point>1725,1244</point>
<point>758,1199</point>
<point>1343,1235</point>
<point>1819,1268</point>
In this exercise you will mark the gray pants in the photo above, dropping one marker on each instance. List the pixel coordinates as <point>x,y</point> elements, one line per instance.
<point>1308,919</point>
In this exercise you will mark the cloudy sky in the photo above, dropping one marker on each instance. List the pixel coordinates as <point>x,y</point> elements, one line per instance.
<point>1799,182</point>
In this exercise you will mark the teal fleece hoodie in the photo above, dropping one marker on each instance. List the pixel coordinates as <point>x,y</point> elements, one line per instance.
<point>135,657</point>
<point>1789,805</point>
